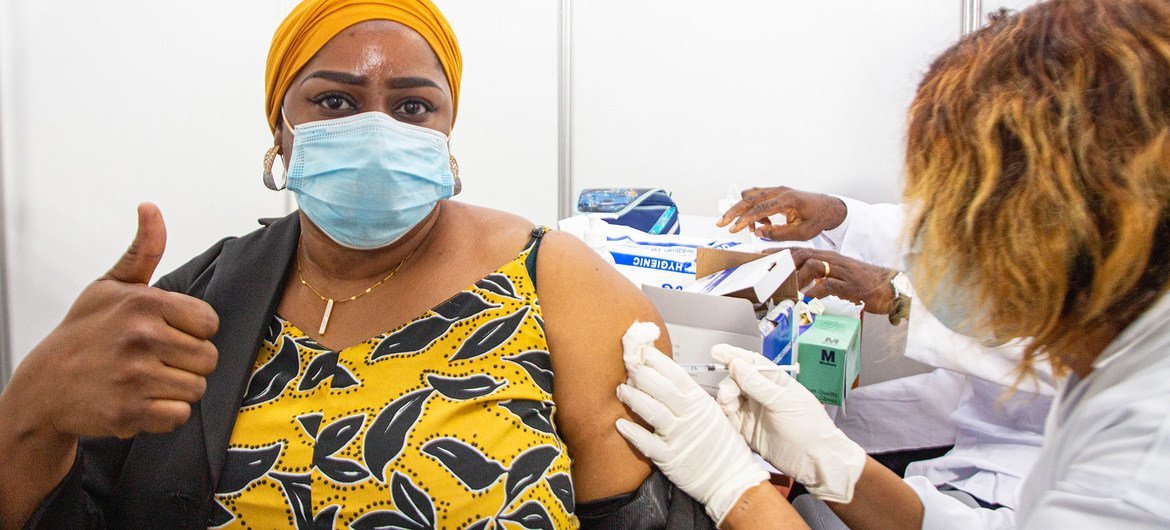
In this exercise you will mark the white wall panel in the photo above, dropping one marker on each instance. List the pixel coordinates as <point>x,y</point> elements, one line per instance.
<point>692,95</point>
<point>990,6</point>
<point>506,136</point>
<point>107,104</point>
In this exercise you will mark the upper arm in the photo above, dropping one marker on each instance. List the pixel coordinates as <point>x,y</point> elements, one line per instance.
<point>587,307</point>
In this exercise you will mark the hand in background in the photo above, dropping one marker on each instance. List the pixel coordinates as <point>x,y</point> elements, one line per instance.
<point>808,214</point>
<point>847,278</point>
<point>784,423</point>
<point>692,443</point>
<point>127,358</point>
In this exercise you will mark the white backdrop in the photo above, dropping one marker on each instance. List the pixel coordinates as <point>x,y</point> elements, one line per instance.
<point>106,104</point>
<point>806,94</point>
<point>811,95</point>
<point>992,5</point>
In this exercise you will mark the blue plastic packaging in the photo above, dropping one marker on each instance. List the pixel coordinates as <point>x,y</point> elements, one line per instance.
<point>778,343</point>
<point>649,210</point>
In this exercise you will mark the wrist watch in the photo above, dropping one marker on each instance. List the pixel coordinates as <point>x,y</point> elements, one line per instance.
<point>903,292</point>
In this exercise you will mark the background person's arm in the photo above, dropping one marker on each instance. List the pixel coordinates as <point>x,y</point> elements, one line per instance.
<point>807,214</point>
<point>763,508</point>
<point>881,500</point>
<point>868,232</point>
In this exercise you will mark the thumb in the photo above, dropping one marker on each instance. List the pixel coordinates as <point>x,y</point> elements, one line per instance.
<point>138,263</point>
<point>647,442</point>
<point>728,396</point>
<point>725,353</point>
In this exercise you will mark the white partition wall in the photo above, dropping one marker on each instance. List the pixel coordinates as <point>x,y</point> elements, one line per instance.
<point>5,335</point>
<point>694,96</point>
<point>506,136</point>
<point>690,97</point>
<point>990,6</point>
<point>107,104</point>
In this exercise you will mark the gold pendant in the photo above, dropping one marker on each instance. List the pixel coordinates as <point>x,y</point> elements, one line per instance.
<point>325,318</point>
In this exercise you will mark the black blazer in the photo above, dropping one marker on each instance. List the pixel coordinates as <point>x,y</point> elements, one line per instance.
<point>168,480</point>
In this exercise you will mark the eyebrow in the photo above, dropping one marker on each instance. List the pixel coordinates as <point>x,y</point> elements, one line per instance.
<point>354,79</point>
<point>411,82</point>
<point>339,77</point>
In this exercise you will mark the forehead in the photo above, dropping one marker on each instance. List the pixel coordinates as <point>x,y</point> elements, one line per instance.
<point>377,48</point>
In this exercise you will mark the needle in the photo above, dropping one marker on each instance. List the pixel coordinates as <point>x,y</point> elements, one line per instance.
<point>716,367</point>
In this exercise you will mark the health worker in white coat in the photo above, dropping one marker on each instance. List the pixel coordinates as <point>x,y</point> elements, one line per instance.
<point>1038,179</point>
<point>975,400</point>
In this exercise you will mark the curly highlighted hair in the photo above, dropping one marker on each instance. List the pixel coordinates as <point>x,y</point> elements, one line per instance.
<point>1038,173</point>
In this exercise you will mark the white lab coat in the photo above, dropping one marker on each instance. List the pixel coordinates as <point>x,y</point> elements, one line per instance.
<point>997,434</point>
<point>1106,458</point>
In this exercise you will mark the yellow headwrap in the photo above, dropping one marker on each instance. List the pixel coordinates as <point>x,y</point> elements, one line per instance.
<point>313,22</point>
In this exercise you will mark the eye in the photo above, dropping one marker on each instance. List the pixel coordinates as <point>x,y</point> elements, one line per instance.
<point>334,102</point>
<point>414,107</point>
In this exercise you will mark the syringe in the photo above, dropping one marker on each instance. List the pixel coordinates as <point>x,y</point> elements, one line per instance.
<point>793,369</point>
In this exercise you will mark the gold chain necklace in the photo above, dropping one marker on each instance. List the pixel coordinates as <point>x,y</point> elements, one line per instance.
<point>330,302</point>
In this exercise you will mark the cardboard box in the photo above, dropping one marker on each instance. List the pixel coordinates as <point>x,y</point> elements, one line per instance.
<point>696,322</point>
<point>754,277</point>
<point>830,358</point>
<point>828,352</point>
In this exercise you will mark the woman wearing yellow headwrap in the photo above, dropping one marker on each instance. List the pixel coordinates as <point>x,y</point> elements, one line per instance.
<point>382,358</point>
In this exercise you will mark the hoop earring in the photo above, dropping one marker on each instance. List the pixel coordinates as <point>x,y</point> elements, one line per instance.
<point>458,186</point>
<point>269,181</point>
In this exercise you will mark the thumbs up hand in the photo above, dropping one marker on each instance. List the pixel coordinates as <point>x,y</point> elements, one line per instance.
<point>127,358</point>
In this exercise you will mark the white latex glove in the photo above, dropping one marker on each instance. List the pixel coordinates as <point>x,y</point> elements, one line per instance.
<point>692,443</point>
<point>784,423</point>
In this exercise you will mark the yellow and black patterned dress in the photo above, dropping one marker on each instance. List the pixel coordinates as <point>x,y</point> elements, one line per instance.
<point>444,422</point>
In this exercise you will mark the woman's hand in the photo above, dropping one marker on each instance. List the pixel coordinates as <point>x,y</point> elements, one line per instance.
<point>846,278</point>
<point>127,358</point>
<point>783,422</point>
<point>692,443</point>
<point>808,214</point>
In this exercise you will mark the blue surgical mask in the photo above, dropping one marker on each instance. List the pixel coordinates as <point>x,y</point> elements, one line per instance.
<point>366,180</point>
<point>953,305</point>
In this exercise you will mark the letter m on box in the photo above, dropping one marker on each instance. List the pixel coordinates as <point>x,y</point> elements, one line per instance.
<point>828,356</point>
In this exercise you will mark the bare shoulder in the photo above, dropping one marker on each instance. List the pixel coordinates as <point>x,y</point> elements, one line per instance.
<point>489,232</point>
<point>484,214</point>
<point>574,280</point>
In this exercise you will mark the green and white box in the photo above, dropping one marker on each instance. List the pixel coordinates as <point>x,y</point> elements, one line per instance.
<point>829,354</point>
